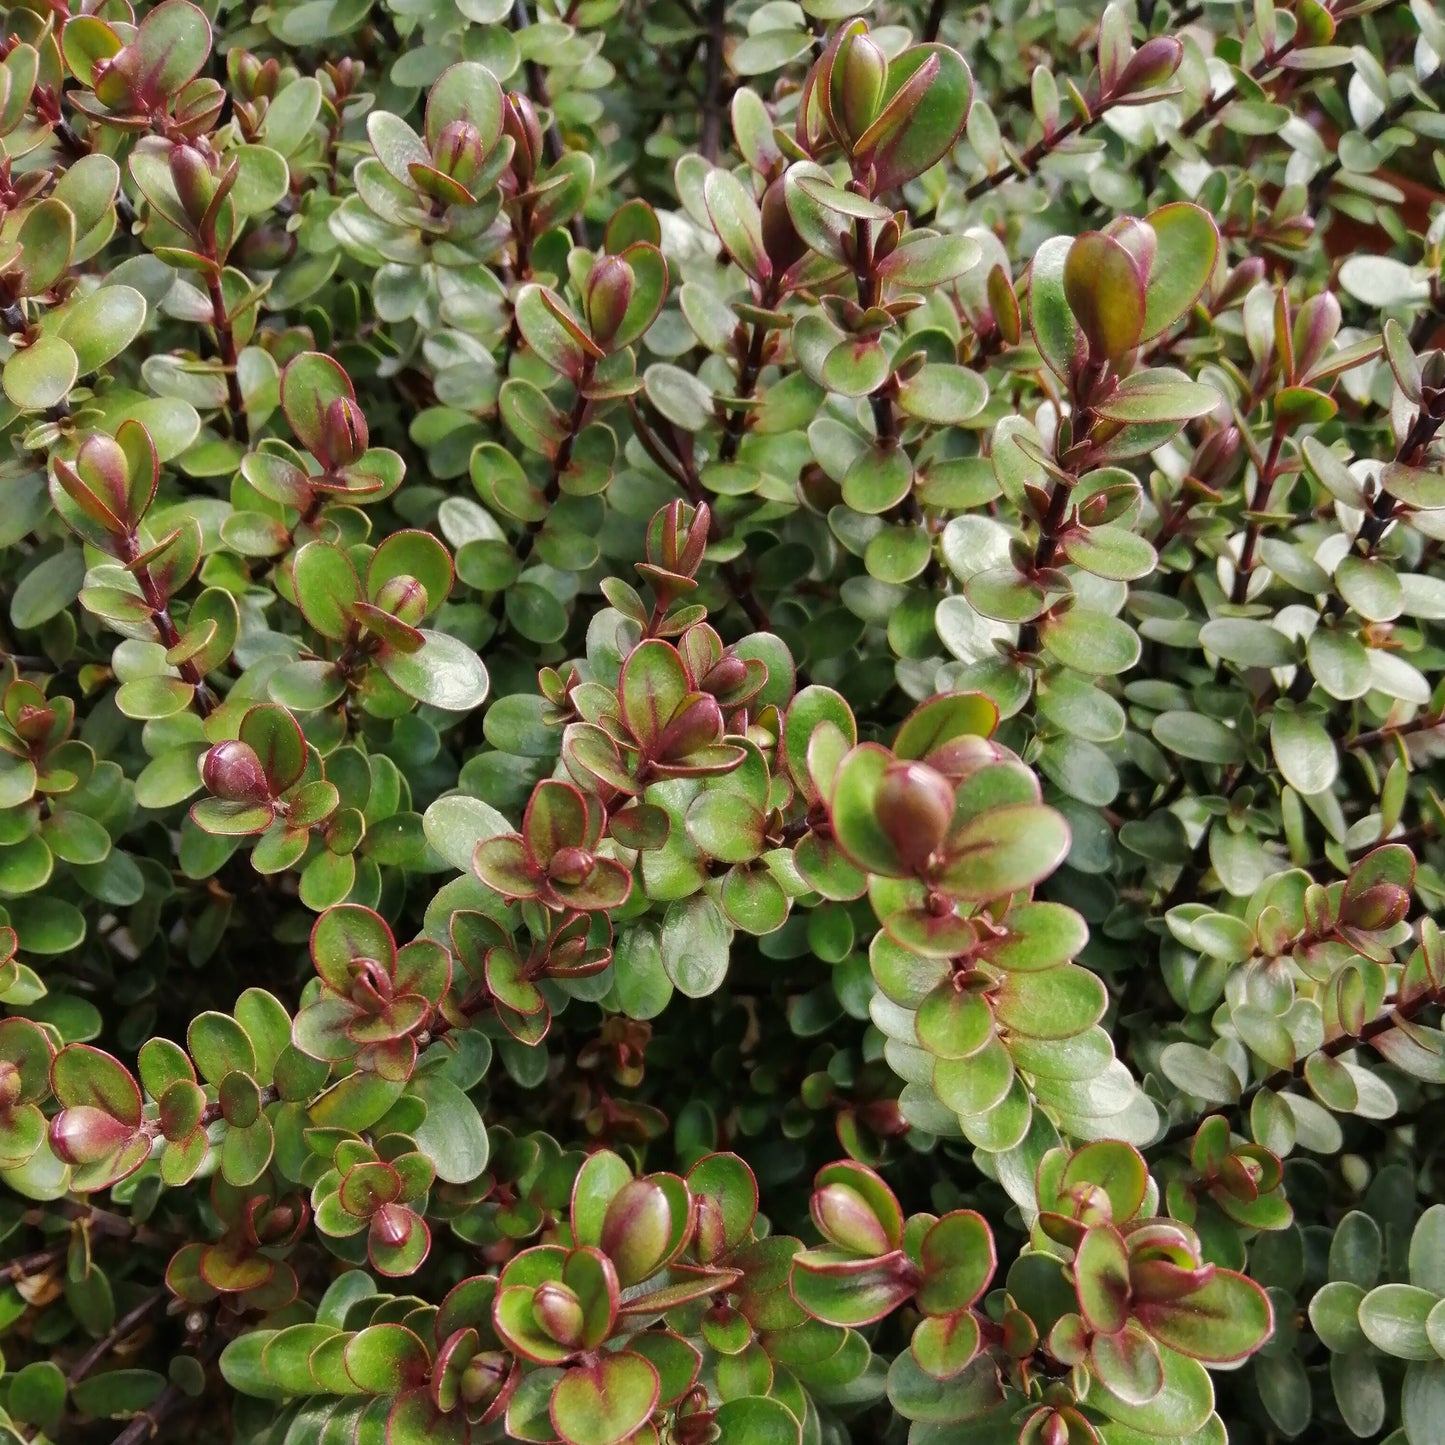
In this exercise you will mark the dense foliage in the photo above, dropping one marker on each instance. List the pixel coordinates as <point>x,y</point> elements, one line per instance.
<point>721,721</point>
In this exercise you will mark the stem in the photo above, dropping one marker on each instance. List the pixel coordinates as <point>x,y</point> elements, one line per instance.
<point>1420,724</point>
<point>685,475</point>
<point>562,460</point>
<point>747,381</point>
<point>537,94</point>
<point>103,1346</point>
<point>712,86</point>
<point>1028,162</point>
<point>226,342</point>
<point>1263,486</point>
<point>165,625</point>
<point>28,1264</point>
<point>881,400</point>
<point>146,1425</point>
<point>934,21</point>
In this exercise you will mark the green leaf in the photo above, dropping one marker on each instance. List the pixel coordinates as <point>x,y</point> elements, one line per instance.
<point>1188,243</point>
<point>696,941</point>
<point>443,673</point>
<point>452,1135</point>
<point>1393,1318</point>
<point>1229,1318</point>
<point>604,1403</point>
<point>1303,750</point>
<point>40,376</point>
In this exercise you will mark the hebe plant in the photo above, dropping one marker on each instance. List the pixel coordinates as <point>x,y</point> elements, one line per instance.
<point>721,722</point>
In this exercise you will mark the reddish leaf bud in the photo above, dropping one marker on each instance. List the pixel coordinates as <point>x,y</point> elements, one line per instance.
<point>85,1135</point>
<point>1315,326</point>
<point>1138,239</point>
<point>268,248</point>
<point>232,771</point>
<point>32,722</point>
<point>1380,906</point>
<point>571,866</point>
<point>483,1377</point>
<point>1053,1430</point>
<point>846,1220</point>
<point>392,1225</point>
<point>345,431</point>
<point>710,1236</point>
<point>404,598</point>
<point>1218,458</point>
<point>194,183</point>
<point>856,86</point>
<point>558,1312</point>
<point>914,807</point>
<point>784,246</point>
<point>10,1086</point>
<point>519,120</point>
<point>1152,65</point>
<point>636,1230</point>
<point>1156,1281</point>
<point>697,722</point>
<point>101,468</point>
<point>731,672</point>
<point>605,296</point>
<point>459,153</point>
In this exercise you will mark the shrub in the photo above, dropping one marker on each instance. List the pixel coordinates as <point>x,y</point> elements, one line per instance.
<point>721,722</point>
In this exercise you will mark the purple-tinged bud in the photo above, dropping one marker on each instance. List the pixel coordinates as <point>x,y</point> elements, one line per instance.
<point>345,432</point>
<point>459,153</point>
<point>636,1230</point>
<point>1218,459</point>
<point>404,598</point>
<point>914,807</point>
<point>278,1225</point>
<point>1138,239</point>
<point>730,673</point>
<point>606,294</point>
<point>1156,1281</point>
<point>32,723</point>
<point>194,183</point>
<point>696,723</point>
<point>1315,326</point>
<point>484,1376</point>
<point>102,466</point>
<point>677,537</point>
<point>1380,906</point>
<point>1241,280</point>
<point>699,530</point>
<point>519,120</point>
<point>784,246</point>
<point>1152,65</point>
<point>392,1226</point>
<point>85,1135</point>
<point>571,866</point>
<point>559,1313</point>
<point>710,1234</point>
<point>856,86</point>
<point>1091,1204</point>
<point>846,1220</point>
<point>232,771</point>
<point>268,248</point>
<point>1054,1431</point>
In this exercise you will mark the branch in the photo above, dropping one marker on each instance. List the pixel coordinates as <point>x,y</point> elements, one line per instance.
<point>103,1346</point>
<point>1282,1078</point>
<point>712,86</point>
<point>537,94</point>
